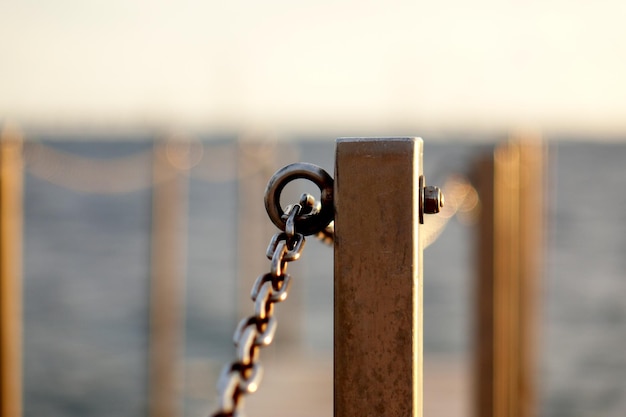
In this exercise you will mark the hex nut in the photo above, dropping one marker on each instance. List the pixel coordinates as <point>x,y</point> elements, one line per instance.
<point>433,199</point>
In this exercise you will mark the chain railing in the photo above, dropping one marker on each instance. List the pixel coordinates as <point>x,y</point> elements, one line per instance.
<point>129,173</point>
<point>221,163</point>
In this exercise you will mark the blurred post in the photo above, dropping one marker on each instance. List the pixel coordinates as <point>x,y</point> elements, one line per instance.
<point>378,278</point>
<point>167,283</point>
<point>511,187</point>
<point>11,184</point>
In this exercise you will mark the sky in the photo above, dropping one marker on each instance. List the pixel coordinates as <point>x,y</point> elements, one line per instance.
<point>277,64</point>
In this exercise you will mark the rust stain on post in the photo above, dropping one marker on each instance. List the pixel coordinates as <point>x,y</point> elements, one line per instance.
<point>11,186</point>
<point>378,278</point>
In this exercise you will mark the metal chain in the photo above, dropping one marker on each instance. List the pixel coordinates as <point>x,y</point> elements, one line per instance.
<point>309,217</point>
<point>243,375</point>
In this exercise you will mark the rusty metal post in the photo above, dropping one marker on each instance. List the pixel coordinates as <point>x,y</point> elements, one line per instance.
<point>511,187</point>
<point>11,186</point>
<point>378,278</point>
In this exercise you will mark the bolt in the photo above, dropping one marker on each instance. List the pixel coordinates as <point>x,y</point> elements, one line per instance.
<point>433,199</point>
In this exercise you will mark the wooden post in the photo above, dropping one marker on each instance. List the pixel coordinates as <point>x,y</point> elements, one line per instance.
<point>378,278</point>
<point>511,188</point>
<point>11,185</point>
<point>167,282</point>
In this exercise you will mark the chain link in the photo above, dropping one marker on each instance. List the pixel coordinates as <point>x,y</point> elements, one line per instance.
<point>243,375</point>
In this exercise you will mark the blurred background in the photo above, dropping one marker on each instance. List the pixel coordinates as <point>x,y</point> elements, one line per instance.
<point>149,130</point>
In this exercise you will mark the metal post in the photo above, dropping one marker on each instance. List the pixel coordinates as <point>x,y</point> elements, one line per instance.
<point>378,278</point>
<point>11,185</point>
<point>510,184</point>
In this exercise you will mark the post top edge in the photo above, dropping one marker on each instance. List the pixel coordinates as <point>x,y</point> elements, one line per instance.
<point>381,139</point>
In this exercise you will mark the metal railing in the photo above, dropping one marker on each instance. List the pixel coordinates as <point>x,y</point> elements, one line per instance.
<point>378,321</point>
